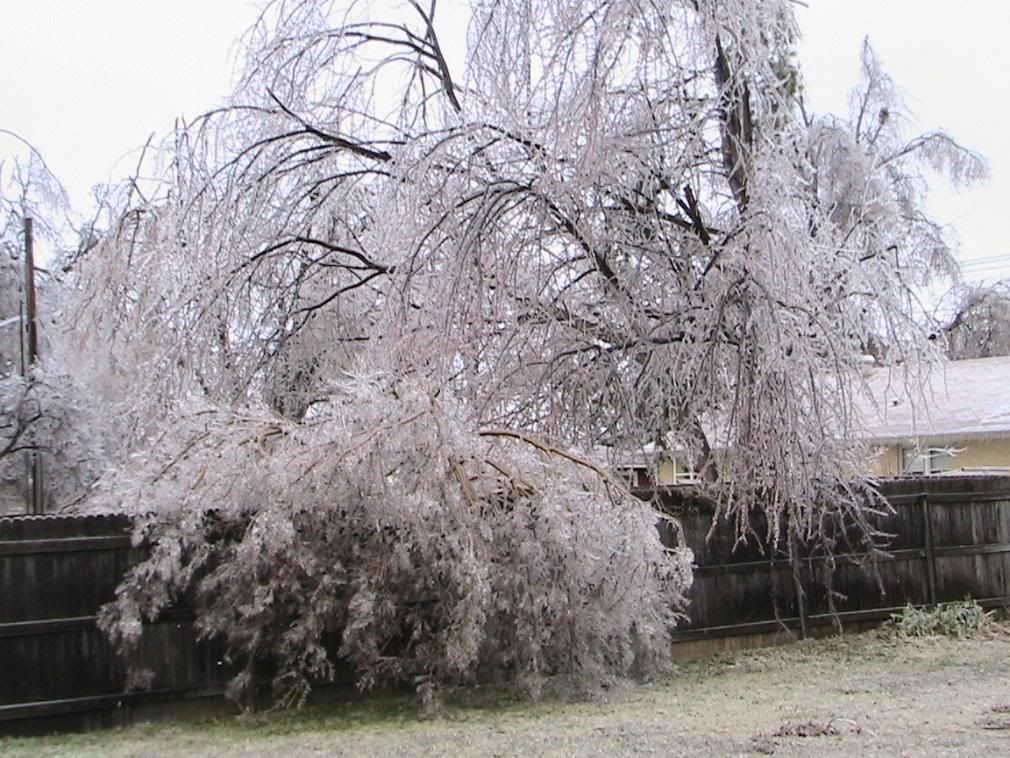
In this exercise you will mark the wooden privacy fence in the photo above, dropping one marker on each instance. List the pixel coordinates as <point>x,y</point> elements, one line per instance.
<point>951,540</point>
<point>57,670</point>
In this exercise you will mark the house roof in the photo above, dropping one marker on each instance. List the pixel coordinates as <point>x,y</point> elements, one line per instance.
<point>959,400</point>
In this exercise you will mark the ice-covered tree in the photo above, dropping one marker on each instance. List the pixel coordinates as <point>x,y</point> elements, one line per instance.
<point>615,223</point>
<point>44,411</point>
<point>612,224</point>
<point>979,326</point>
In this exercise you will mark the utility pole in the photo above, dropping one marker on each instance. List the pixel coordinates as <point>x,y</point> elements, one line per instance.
<point>32,338</point>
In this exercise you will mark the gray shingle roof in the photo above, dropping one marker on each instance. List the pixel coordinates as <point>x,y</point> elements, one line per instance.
<point>967,399</point>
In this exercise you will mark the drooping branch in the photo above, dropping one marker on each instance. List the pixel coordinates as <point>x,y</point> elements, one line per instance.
<point>436,51</point>
<point>336,140</point>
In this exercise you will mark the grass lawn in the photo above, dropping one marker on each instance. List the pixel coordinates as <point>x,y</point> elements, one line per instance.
<point>869,694</point>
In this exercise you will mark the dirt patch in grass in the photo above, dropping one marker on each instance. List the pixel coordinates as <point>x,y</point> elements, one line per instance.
<point>869,694</point>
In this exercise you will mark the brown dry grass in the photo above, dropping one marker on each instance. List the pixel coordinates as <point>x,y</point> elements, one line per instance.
<point>869,694</point>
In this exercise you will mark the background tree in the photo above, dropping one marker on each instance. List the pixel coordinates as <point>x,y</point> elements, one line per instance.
<point>980,324</point>
<point>43,409</point>
<point>615,224</point>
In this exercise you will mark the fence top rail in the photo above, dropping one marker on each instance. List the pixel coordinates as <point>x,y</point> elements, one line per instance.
<point>896,489</point>
<point>21,517</point>
<point>48,526</point>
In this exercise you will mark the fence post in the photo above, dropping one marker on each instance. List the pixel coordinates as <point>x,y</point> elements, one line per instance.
<point>800,601</point>
<point>928,545</point>
<point>796,565</point>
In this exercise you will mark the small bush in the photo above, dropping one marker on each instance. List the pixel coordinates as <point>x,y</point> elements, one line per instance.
<point>957,619</point>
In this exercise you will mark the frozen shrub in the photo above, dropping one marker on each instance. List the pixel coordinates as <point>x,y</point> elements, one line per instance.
<point>432,553</point>
<point>956,619</point>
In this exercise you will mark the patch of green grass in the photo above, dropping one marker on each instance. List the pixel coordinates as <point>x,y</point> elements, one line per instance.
<point>334,711</point>
<point>331,710</point>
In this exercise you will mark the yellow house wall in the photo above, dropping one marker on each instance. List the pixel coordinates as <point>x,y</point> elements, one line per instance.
<point>672,472</point>
<point>667,473</point>
<point>886,461</point>
<point>983,453</point>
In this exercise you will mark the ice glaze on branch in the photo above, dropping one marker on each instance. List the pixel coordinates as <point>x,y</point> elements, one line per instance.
<point>614,226</point>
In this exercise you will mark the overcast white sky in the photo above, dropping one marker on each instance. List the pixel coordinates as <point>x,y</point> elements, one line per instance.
<point>87,81</point>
